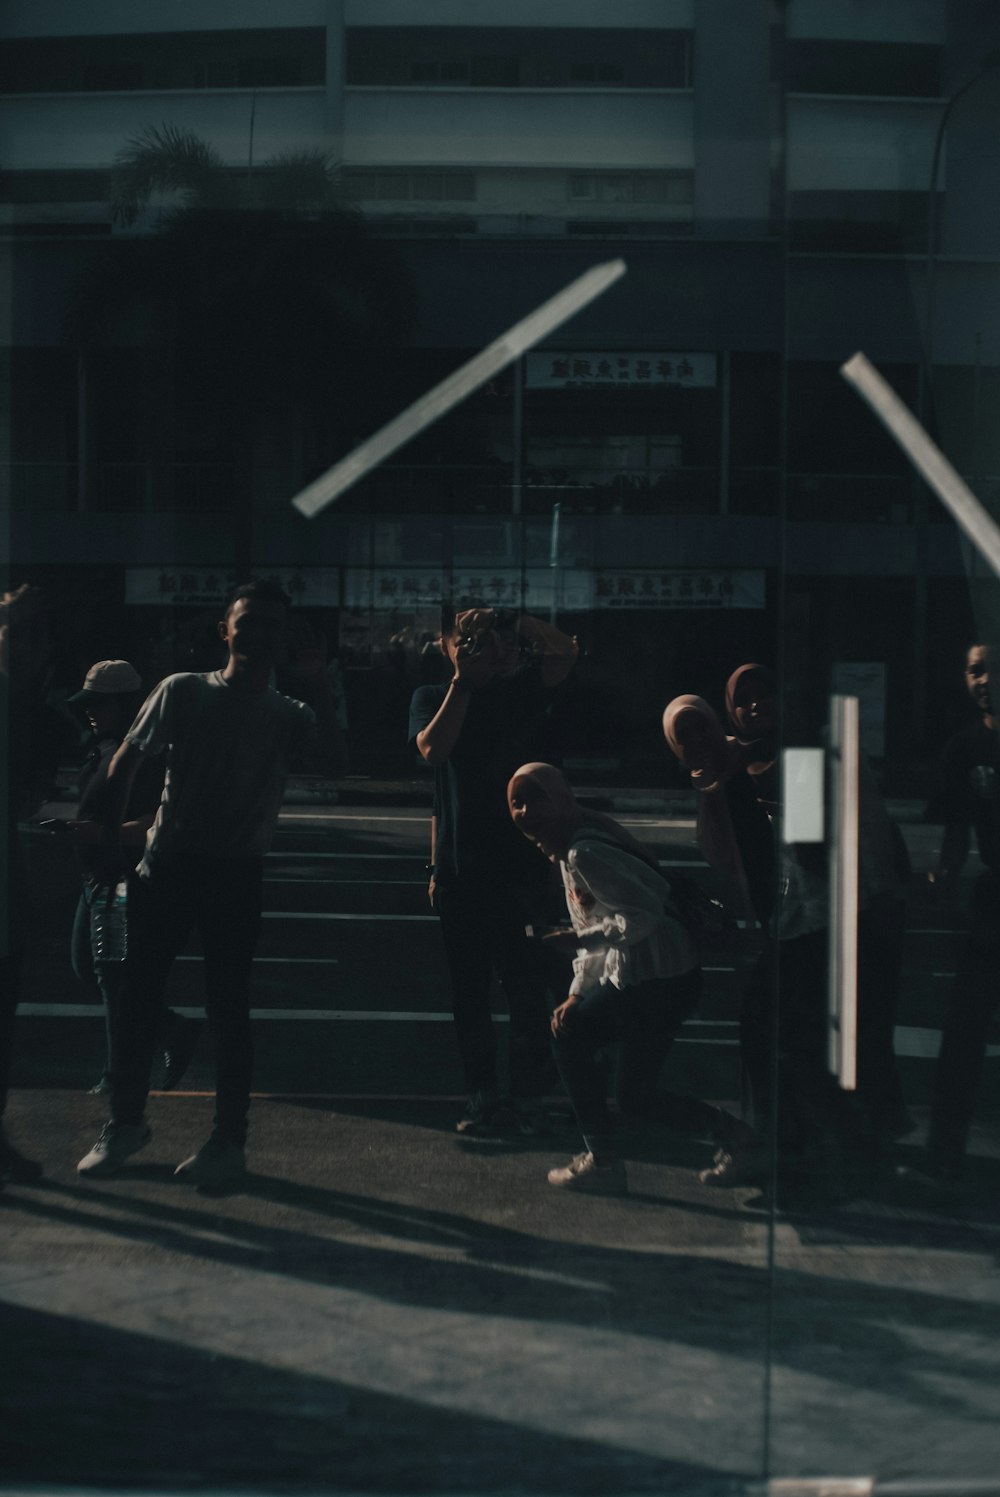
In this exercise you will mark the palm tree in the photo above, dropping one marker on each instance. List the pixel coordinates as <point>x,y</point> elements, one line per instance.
<point>263,299</point>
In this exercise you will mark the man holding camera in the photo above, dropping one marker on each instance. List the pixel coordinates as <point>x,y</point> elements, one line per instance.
<point>485,880</point>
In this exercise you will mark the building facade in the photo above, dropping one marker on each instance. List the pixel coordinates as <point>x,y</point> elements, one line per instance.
<point>787,183</point>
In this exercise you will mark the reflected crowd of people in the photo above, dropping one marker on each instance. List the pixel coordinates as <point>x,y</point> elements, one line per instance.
<point>597,942</point>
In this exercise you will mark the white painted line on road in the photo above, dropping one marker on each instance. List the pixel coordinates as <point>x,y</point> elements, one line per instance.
<point>308,961</point>
<point>352,857</point>
<point>911,1042</point>
<point>378,883</point>
<point>329,814</point>
<point>924,1044</point>
<point>314,1015</point>
<point>673,821</point>
<point>328,915</point>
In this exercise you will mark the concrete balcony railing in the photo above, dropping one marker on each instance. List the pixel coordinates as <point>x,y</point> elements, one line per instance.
<point>581,129</point>
<point>84,131</point>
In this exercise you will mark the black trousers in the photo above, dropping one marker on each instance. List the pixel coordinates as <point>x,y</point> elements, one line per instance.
<point>483,931</point>
<point>973,1001</point>
<point>644,1020</point>
<point>221,899</point>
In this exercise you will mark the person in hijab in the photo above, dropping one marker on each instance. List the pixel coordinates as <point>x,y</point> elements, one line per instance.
<point>636,975</point>
<point>735,837</point>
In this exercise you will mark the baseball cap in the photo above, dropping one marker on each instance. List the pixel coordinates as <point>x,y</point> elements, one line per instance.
<point>109,678</point>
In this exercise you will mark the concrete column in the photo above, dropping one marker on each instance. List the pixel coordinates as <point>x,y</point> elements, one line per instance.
<point>335,49</point>
<point>732,117</point>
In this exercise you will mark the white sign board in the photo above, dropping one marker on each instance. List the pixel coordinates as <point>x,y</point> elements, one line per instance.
<point>585,369</point>
<point>208,587</point>
<point>569,589</point>
<point>687,588</point>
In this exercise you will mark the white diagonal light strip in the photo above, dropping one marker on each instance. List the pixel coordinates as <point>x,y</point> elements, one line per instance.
<point>496,356</point>
<point>928,459</point>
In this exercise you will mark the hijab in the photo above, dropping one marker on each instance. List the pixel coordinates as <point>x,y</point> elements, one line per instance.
<point>554,816</point>
<point>740,721</point>
<point>760,750</point>
<point>712,763</point>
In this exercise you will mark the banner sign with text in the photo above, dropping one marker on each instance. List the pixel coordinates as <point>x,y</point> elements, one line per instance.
<point>583,370</point>
<point>540,589</point>
<point>209,587</point>
<point>535,589</point>
<point>633,589</point>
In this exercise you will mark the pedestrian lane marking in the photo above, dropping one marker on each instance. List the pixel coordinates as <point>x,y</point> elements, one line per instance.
<point>337,915</point>
<point>327,814</point>
<point>281,961</point>
<point>350,857</point>
<point>378,883</point>
<point>911,1042</point>
<point>325,1015</point>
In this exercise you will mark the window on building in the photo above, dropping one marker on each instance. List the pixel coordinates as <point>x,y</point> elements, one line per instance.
<point>386,184</point>
<point>887,69</point>
<point>176,60</point>
<point>54,187</point>
<point>516,57</point>
<point>269,72</point>
<point>876,222</point>
<point>631,187</point>
<point>597,72</point>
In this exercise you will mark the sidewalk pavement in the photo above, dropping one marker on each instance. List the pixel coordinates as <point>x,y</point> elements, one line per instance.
<point>386,1307</point>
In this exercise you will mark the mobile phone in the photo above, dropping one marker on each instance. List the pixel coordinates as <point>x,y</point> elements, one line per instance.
<point>55,824</point>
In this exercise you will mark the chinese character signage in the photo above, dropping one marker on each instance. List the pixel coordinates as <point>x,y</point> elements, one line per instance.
<point>539,589</point>
<point>206,587</point>
<point>583,371</point>
<point>533,590</point>
<point>631,589</point>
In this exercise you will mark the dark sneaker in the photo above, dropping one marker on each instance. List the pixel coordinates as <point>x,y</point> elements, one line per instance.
<point>15,1167</point>
<point>180,1048</point>
<point>482,1113</point>
<point>100,1088</point>
<point>217,1163</point>
<point>583,1173</point>
<point>942,1170</point>
<point>118,1142</point>
<point>530,1118</point>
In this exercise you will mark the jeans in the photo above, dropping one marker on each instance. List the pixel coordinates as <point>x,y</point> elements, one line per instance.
<point>105,981</point>
<point>483,930</point>
<point>221,899</point>
<point>971,1005</point>
<point>645,1020</point>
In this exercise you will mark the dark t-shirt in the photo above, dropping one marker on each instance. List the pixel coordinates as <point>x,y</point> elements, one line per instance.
<point>967,788</point>
<point>755,840</point>
<point>506,725</point>
<point>144,796</point>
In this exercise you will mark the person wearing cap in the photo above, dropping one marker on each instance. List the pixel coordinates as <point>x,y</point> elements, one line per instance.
<point>109,696</point>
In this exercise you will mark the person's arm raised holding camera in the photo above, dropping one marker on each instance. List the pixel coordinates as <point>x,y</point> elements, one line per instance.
<point>476,657</point>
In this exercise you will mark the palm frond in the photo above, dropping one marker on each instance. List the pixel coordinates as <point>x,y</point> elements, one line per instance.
<point>165,157</point>
<point>297,180</point>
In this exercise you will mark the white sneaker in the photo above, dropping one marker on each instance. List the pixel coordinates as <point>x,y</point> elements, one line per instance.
<point>218,1162</point>
<point>584,1173</point>
<point>118,1142</point>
